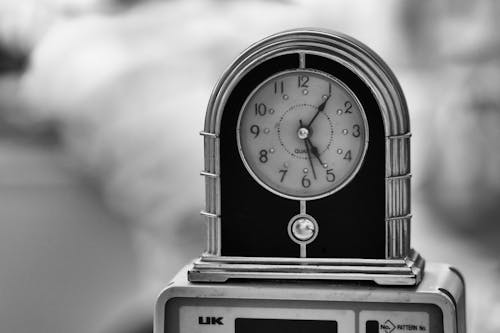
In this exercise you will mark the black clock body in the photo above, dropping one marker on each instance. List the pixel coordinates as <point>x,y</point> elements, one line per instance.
<point>254,220</point>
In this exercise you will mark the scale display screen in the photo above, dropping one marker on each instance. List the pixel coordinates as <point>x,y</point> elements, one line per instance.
<point>252,325</point>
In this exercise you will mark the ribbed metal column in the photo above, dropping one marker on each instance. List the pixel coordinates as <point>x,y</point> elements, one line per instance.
<point>212,188</point>
<point>398,198</point>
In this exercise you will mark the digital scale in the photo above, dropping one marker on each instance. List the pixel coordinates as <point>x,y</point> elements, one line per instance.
<point>307,180</point>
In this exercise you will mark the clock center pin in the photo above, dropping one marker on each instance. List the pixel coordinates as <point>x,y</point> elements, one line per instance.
<point>303,133</point>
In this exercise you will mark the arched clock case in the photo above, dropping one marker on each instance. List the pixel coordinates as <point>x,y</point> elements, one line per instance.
<point>307,165</point>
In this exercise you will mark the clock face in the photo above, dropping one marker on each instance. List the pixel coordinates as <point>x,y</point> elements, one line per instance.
<point>302,134</point>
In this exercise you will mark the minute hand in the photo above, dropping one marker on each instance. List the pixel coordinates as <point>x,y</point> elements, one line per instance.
<point>321,107</point>
<point>309,154</point>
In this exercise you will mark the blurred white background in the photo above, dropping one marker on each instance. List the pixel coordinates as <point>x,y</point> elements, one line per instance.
<point>101,102</point>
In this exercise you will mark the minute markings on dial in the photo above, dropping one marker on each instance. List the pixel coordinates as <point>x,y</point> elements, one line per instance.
<point>317,148</point>
<point>299,108</point>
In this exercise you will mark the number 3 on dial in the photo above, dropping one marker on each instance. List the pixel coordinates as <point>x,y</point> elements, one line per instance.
<point>302,134</point>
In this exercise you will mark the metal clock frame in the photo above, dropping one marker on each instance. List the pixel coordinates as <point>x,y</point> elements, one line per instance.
<point>402,265</point>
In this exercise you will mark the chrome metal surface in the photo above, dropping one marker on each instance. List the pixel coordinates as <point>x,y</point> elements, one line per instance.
<point>208,174</point>
<point>207,134</point>
<point>302,60</point>
<point>303,229</point>
<point>379,78</point>
<point>303,206</point>
<point>303,133</point>
<point>383,272</point>
<point>209,215</point>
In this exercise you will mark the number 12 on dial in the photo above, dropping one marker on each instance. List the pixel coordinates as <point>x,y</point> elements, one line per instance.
<point>302,134</point>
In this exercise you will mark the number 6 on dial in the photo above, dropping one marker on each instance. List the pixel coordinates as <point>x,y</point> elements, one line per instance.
<point>314,140</point>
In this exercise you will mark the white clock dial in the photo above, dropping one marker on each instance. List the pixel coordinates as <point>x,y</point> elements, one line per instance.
<point>302,134</point>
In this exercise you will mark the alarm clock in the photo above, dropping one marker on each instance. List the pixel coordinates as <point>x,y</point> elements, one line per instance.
<point>307,165</point>
<point>307,181</point>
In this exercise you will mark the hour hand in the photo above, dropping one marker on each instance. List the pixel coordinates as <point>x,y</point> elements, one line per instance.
<point>308,152</point>
<point>315,151</point>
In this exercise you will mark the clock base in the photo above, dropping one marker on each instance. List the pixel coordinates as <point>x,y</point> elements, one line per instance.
<point>405,271</point>
<point>436,305</point>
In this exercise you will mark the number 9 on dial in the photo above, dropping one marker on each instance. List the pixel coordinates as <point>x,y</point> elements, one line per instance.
<point>302,134</point>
